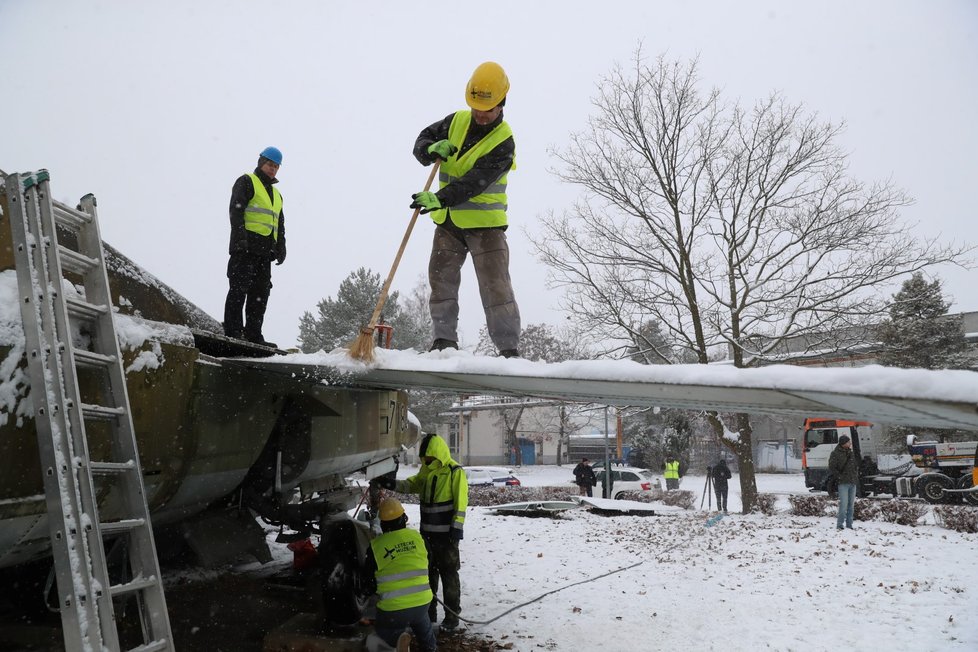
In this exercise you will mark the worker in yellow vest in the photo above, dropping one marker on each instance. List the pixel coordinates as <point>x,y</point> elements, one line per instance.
<point>671,474</point>
<point>444,491</point>
<point>477,151</point>
<point>257,238</point>
<point>398,564</point>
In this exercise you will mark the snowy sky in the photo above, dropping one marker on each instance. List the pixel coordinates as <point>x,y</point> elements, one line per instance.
<point>158,107</point>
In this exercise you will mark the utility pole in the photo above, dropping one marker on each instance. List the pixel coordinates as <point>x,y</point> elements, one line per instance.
<point>606,485</point>
<point>618,434</point>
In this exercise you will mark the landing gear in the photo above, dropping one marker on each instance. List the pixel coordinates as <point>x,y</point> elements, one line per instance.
<point>340,571</point>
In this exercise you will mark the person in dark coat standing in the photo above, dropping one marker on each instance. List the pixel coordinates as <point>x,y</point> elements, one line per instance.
<point>721,473</point>
<point>584,477</point>
<point>843,466</point>
<point>257,238</point>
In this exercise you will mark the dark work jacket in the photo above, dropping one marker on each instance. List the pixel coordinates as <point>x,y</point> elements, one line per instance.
<point>721,473</point>
<point>487,170</point>
<point>584,475</point>
<point>842,465</point>
<point>243,240</point>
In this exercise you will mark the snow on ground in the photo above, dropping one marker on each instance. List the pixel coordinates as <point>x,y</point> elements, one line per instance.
<point>747,582</point>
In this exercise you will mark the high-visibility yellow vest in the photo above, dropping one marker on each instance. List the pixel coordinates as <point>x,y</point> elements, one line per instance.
<point>672,470</point>
<point>488,208</point>
<point>261,214</point>
<point>443,489</point>
<point>402,570</point>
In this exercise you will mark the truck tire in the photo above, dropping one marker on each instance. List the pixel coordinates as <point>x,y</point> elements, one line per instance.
<point>964,482</point>
<point>931,487</point>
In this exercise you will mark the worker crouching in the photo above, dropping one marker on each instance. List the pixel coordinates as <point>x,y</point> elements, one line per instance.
<point>399,561</point>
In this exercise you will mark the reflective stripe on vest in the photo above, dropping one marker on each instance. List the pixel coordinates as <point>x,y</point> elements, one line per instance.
<point>402,570</point>
<point>261,213</point>
<point>438,517</point>
<point>439,513</point>
<point>489,207</point>
<point>672,471</point>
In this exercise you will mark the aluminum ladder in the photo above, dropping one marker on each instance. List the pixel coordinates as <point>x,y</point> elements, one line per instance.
<point>68,420</point>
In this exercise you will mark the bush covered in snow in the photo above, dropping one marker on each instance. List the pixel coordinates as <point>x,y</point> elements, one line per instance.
<point>902,512</point>
<point>808,505</point>
<point>485,496</point>
<point>766,504</point>
<point>866,510</point>
<point>681,498</point>
<point>642,496</point>
<point>957,517</point>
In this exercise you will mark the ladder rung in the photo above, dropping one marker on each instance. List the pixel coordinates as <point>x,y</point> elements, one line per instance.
<point>133,586</point>
<point>117,527</point>
<point>101,412</point>
<point>152,646</point>
<point>107,468</point>
<point>72,261</point>
<point>84,310</point>
<point>92,360</point>
<point>69,217</point>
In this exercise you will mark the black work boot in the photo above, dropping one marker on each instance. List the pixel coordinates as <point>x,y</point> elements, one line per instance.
<point>509,353</point>
<point>260,341</point>
<point>441,344</point>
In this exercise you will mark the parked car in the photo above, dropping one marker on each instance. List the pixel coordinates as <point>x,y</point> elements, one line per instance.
<point>627,478</point>
<point>491,475</point>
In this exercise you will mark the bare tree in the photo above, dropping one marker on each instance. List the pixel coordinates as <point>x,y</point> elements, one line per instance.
<point>509,420</point>
<point>735,229</point>
<point>557,422</point>
<point>548,344</point>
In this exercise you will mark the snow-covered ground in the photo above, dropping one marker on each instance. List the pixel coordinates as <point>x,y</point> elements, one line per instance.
<point>745,583</point>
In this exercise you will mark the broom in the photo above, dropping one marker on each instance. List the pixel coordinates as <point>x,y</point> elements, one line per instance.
<point>363,347</point>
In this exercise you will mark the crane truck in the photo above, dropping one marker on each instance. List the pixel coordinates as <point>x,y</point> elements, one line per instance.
<point>938,472</point>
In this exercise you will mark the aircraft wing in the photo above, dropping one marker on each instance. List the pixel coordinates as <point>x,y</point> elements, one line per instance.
<point>914,397</point>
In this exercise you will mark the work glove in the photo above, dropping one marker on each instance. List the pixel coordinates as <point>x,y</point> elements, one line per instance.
<point>386,481</point>
<point>280,258</point>
<point>426,201</point>
<point>442,149</point>
<point>456,534</point>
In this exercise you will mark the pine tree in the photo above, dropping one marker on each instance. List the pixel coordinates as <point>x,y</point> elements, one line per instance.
<point>338,321</point>
<point>655,434</point>
<point>918,332</point>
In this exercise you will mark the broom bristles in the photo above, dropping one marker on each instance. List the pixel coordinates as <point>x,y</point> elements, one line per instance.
<point>363,347</point>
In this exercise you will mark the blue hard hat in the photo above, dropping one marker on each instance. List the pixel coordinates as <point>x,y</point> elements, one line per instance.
<point>273,154</point>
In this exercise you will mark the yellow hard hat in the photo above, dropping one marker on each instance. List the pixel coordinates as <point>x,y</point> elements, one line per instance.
<point>488,86</point>
<point>391,509</point>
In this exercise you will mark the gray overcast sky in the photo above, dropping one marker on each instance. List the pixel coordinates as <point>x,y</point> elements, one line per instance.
<point>158,107</point>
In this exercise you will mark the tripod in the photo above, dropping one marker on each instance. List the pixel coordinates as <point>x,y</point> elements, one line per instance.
<point>708,490</point>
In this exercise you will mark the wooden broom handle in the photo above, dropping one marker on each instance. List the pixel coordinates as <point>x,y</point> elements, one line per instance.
<point>397,259</point>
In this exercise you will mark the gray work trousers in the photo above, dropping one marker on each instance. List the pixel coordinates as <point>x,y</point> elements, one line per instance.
<point>490,257</point>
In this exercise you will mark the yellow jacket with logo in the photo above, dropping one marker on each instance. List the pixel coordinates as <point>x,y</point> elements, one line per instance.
<point>402,570</point>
